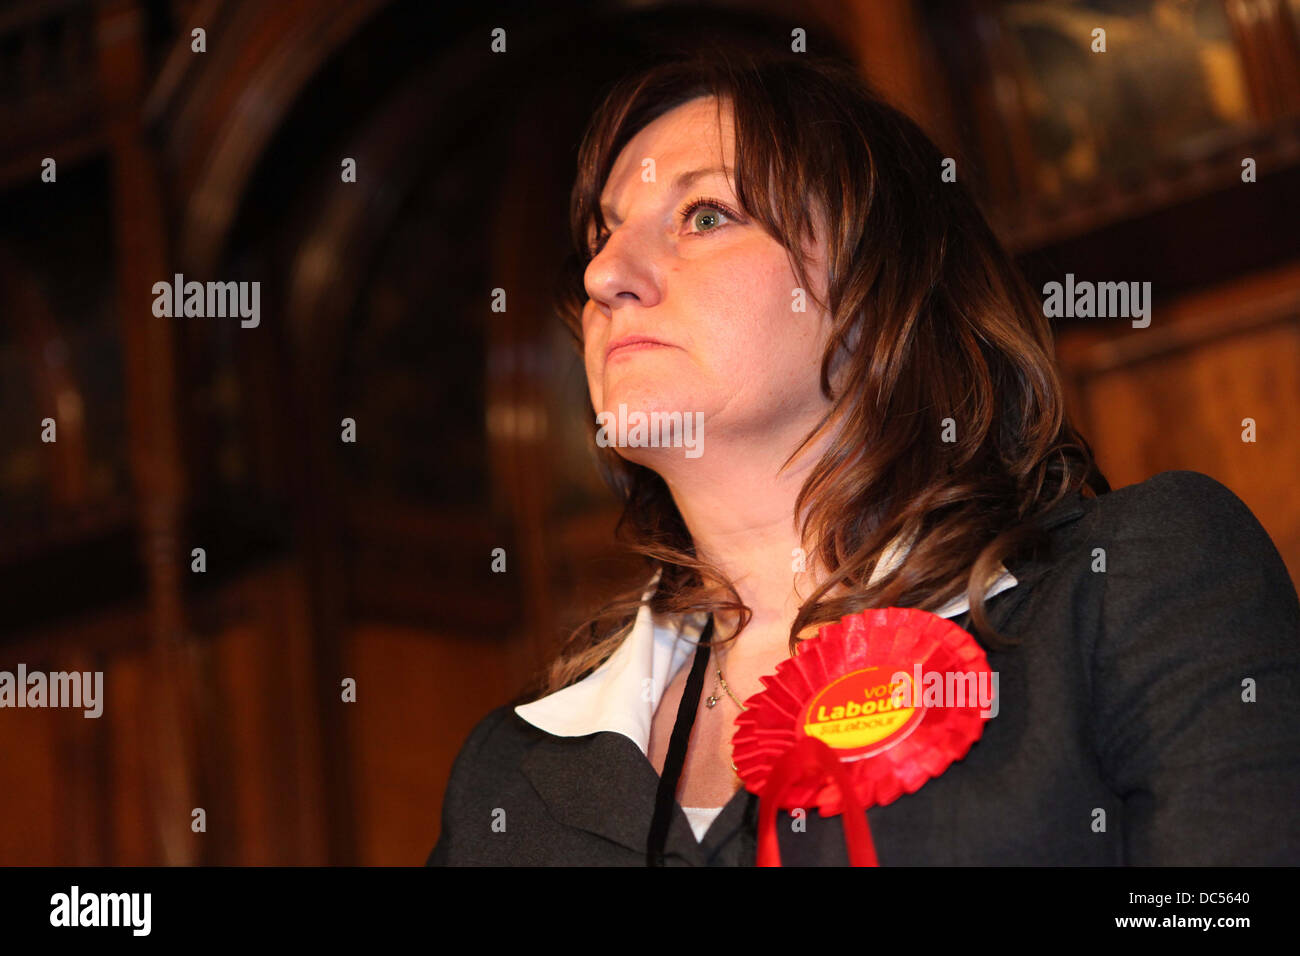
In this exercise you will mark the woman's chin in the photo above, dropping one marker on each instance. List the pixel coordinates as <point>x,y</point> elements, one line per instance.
<point>644,429</point>
<point>665,461</point>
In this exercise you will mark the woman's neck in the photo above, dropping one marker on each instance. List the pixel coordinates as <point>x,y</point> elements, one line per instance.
<point>740,512</point>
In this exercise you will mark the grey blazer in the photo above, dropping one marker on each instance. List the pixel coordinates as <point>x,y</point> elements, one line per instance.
<point>1151,715</point>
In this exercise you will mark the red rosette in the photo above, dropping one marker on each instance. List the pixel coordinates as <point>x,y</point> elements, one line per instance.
<point>843,688</point>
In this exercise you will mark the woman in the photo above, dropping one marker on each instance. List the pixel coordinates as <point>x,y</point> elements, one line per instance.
<point>775,257</point>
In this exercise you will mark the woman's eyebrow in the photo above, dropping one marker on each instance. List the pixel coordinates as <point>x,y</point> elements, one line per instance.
<point>680,182</point>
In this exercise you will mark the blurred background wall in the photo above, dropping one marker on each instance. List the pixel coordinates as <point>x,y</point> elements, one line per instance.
<point>327,560</point>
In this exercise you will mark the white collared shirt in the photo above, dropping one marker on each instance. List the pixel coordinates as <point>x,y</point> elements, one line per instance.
<point>623,694</point>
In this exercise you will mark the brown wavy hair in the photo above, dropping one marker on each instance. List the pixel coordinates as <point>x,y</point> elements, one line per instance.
<point>931,320</point>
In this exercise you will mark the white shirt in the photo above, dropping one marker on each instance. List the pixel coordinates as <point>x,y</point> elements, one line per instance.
<point>623,694</point>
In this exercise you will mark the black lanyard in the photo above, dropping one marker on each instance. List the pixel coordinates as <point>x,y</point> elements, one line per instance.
<point>666,795</point>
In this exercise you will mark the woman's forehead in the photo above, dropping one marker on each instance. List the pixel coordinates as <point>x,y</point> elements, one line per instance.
<point>685,142</point>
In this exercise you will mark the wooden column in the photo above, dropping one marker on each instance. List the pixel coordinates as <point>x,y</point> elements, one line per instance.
<point>152,423</point>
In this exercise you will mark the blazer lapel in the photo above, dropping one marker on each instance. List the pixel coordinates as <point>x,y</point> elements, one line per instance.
<point>603,784</point>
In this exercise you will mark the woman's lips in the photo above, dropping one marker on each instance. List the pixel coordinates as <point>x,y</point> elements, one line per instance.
<point>633,344</point>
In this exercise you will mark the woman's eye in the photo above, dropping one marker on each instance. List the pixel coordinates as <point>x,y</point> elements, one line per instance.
<point>706,215</point>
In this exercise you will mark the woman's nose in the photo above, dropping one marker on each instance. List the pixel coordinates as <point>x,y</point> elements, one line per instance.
<point>623,270</point>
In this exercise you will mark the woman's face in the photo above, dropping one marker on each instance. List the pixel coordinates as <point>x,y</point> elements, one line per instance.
<point>709,294</point>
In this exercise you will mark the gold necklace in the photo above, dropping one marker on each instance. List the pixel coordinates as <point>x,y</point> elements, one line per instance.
<point>714,698</point>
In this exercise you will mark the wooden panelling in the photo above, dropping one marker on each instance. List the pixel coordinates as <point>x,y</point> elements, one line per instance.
<point>31,816</point>
<point>131,839</point>
<point>1174,395</point>
<point>262,728</point>
<point>418,696</point>
<point>83,791</point>
<point>247,675</point>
